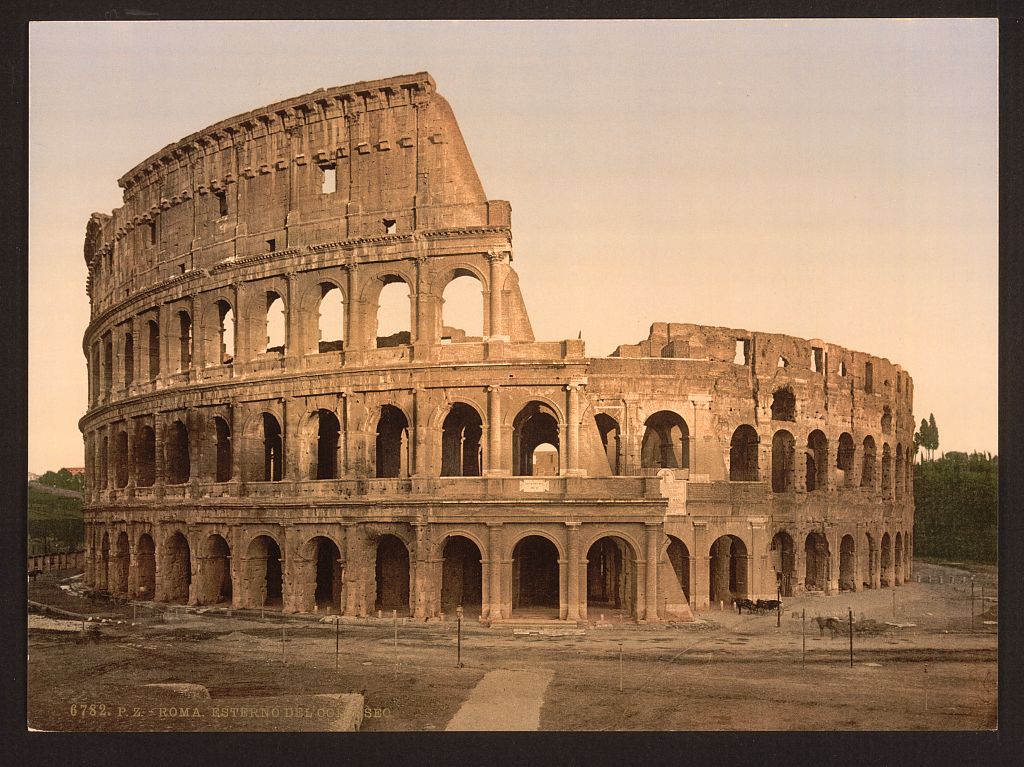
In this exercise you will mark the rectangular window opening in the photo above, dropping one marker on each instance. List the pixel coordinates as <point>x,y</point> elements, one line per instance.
<point>869,381</point>
<point>329,184</point>
<point>222,200</point>
<point>742,356</point>
<point>152,233</point>
<point>817,359</point>
<point>271,245</point>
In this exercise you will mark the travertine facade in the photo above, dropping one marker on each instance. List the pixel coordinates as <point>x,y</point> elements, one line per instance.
<point>229,461</point>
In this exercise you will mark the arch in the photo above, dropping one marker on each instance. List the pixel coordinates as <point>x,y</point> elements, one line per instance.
<point>818,562</point>
<point>783,461</point>
<point>885,576</point>
<point>121,458</point>
<point>900,472</point>
<point>273,449</point>
<point>264,572</point>
<point>222,440</point>
<point>743,455</point>
<point>461,448</point>
<point>727,570</point>
<point>129,359</point>
<point>215,587</point>
<point>886,420</point>
<point>845,459</point>
<point>847,564</point>
<point>461,575</point>
<point>145,556</point>
<point>783,404</point>
<point>610,432</point>
<point>612,577</point>
<point>886,470</point>
<point>184,340</point>
<point>869,561</point>
<point>154,349</point>
<point>666,442</point>
<point>392,456</point>
<point>784,562</point>
<point>327,436</point>
<point>121,560</point>
<point>534,425</point>
<point>225,333</point>
<point>535,576</point>
<point>462,308</point>
<point>867,472</point>
<point>330,318</point>
<point>392,574</point>
<point>275,324</point>
<point>679,558</point>
<point>393,312</point>
<point>817,461</point>
<point>327,592</point>
<point>897,560</point>
<point>104,467</point>
<point>177,569</point>
<point>177,458</point>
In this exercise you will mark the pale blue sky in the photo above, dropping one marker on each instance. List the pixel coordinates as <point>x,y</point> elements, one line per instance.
<point>824,178</point>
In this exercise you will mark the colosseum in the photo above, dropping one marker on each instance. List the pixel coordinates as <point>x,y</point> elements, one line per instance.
<point>253,441</point>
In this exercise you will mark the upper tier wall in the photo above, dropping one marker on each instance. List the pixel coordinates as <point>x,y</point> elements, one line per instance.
<point>262,181</point>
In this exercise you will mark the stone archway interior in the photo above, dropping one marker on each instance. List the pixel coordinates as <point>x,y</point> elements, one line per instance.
<point>461,576</point>
<point>392,573</point>
<point>535,575</point>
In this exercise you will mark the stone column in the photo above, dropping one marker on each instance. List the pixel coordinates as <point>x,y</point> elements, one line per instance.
<point>130,427</point>
<point>494,456</point>
<point>573,530</point>
<point>353,329</point>
<point>495,280</point>
<point>195,433</point>
<point>563,450</point>
<point>701,436</point>
<point>700,583</point>
<point>757,557</point>
<point>163,321</point>
<point>573,430</point>
<point>353,572</point>
<point>494,555</point>
<point>653,534</point>
<point>632,434</point>
<point>419,455</point>
<point>421,596</point>
<point>831,458</point>
<point>290,414</point>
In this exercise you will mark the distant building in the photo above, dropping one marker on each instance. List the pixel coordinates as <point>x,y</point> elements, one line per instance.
<point>32,476</point>
<point>74,471</point>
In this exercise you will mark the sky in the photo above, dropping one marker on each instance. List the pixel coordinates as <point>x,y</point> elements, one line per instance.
<point>832,179</point>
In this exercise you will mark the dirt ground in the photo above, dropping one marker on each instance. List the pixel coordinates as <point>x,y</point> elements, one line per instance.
<point>726,672</point>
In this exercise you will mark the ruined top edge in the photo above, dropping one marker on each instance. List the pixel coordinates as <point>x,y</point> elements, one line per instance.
<point>421,78</point>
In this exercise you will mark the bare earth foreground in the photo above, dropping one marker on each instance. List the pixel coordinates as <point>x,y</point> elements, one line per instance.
<point>725,672</point>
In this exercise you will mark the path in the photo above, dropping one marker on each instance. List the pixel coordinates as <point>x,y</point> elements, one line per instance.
<point>504,700</point>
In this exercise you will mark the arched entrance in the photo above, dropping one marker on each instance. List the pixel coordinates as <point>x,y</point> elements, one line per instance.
<point>460,442</point>
<point>666,442</point>
<point>535,587</point>
<point>327,594</point>
<point>535,425</point>
<point>392,443</point>
<point>611,578</point>
<point>679,558</point>
<point>784,562</point>
<point>886,574</point>
<point>847,564</point>
<point>178,569</point>
<point>216,581</point>
<point>264,571</point>
<point>461,576</point>
<point>392,574</point>
<point>727,568</point>
<point>817,561</point>
<point>145,556</point>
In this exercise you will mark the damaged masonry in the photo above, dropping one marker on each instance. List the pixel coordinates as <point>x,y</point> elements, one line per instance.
<point>252,440</point>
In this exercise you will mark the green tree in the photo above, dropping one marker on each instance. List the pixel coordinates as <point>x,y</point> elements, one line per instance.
<point>933,433</point>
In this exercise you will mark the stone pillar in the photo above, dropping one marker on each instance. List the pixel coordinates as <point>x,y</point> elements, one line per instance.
<point>130,427</point>
<point>495,280</point>
<point>290,414</point>
<point>494,556</point>
<point>831,458</point>
<point>573,431</point>
<point>702,439</point>
<point>354,567</point>
<point>421,597</point>
<point>292,323</point>
<point>700,582</point>
<point>194,422</point>
<point>573,572</point>
<point>353,329</point>
<point>343,449</point>
<point>632,433</point>
<point>419,453</point>
<point>163,321</point>
<point>757,558</point>
<point>563,450</point>
<point>494,457</point>
<point>133,567</point>
<point>653,536</point>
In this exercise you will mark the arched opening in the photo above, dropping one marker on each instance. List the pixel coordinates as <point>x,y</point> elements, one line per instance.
<point>666,442</point>
<point>461,454</point>
<point>818,562</point>
<point>217,572</point>
<point>545,460</point>
<point>392,573</point>
<point>121,561</point>
<point>535,425</point>
<point>886,470</point>
<point>275,323</point>
<point>327,594</point>
<point>743,455</point>
<point>784,405</point>
<point>461,576</point>
<point>264,570</point>
<point>184,341</point>
<point>784,562</point>
<point>273,456</point>
<point>394,311</point>
<point>783,461</point>
<point>535,586</point>
<point>886,420</point>
<point>867,472</point>
<point>611,578</point>
<point>727,570</point>
<point>900,472</point>
<point>222,435</point>
<point>145,457</point>
<point>679,558</point>
<point>129,359</point>
<point>870,563</point>
<point>178,569</point>
<point>178,462</point>
<point>609,430</point>
<point>897,560</point>
<point>154,350</point>
<point>817,461</point>
<point>462,309</point>
<point>121,458</point>
<point>328,431</point>
<point>225,333</point>
<point>844,460</point>
<point>145,556</point>
<point>847,564</point>
<point>392,443</point>
<point>331,322</point>
<point>885,577</point>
